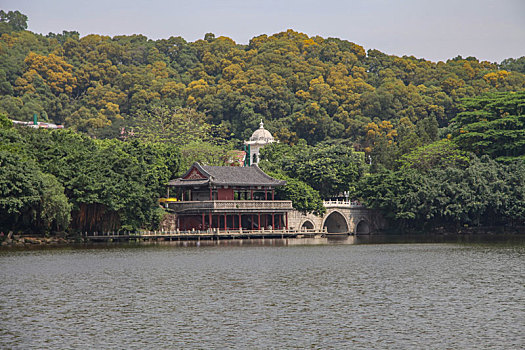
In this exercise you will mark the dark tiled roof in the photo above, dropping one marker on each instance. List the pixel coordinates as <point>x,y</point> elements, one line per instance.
<point>229,175</point>
<point>181,182</point>
<point>234,175</point>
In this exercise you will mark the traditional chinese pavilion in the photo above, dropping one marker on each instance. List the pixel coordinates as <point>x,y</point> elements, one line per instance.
<point>227,198</point>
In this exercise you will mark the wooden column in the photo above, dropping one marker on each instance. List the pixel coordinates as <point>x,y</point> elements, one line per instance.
<point>251,194</point>
<point>259,221</point>
<point>240,220</point>
<point>203,222</point>
<point>286,220</point>
<point>265,194</point>
<point>225,222</point>
<point>210,194</point>
<point>273,221</point>
<point>210,220</point>
<point>273,194</point>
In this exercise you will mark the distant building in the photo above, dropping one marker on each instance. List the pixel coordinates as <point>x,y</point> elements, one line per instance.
<point>235,158</point>
<point>38,125</point>
<point>260,138</point>
<point>227,198</point>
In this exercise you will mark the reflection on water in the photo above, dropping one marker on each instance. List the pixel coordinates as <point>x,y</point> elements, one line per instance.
<point>330,293</point>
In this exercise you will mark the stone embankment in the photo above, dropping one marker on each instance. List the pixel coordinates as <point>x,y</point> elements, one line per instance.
<point>12,240</point>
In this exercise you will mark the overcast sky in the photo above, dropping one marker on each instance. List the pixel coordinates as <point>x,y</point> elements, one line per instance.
<point>433,29</point>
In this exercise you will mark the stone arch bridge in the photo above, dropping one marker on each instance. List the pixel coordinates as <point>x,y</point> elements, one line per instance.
<point>341,217</point>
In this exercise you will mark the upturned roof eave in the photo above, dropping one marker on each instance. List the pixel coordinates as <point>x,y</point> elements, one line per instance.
<point>182,182</point>
<point>199,167</point>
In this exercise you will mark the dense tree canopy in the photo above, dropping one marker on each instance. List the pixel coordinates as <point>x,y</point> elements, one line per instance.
<point>328,168</point>
<point>482,193</point>
<point>325,171</point>
<point>314,88</point>
<point>29,198</point>
<point>475,177</point>
<point>493,124</point>
<point>100,185</point>
<point>12,21</point>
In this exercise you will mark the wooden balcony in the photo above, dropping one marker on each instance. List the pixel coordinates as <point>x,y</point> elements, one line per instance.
<point>230,206</point>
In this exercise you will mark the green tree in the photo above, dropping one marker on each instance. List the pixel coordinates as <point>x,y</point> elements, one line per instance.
<point>19,192</point>
<point>177,127</point>
<point>29,199</point>
<point>55,210</point>
<point>492,124</point>
<point>511,64</point>
<point>304,198</point>
<point>5,123</point>
<point>111,184</point>
<point>203,152</point>
<point>15,20</point>
<point>484,193</point>
<point>439,154</point>
<point>330,169</point>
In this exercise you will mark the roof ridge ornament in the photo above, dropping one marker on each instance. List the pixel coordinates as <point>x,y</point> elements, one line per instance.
<point>261,125</point>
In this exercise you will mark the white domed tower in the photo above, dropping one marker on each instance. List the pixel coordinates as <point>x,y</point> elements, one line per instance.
<point>260,138</point>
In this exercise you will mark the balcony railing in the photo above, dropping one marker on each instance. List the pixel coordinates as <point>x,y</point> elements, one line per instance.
<point>231,205</point>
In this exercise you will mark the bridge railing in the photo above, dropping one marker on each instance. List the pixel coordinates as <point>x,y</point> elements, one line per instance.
<point>342,203</point>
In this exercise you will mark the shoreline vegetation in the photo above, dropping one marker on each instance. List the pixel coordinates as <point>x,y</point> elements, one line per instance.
<point>486,234</point>
<point>433,145</point>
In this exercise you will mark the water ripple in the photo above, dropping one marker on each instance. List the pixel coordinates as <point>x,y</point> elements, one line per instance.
<point>399,296</point>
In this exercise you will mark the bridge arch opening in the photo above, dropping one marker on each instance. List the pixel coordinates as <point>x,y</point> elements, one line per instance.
<point>362,228</point>
<point>336,223</point>
<point>307,225</point>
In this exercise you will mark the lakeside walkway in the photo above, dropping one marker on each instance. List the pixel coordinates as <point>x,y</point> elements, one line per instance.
<point>198,235</point>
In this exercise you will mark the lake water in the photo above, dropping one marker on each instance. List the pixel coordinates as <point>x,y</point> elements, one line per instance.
<point>314,294</point>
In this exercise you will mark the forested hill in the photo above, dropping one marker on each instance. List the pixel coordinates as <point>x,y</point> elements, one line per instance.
<point>444,143</point>
<point>305,87</point>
